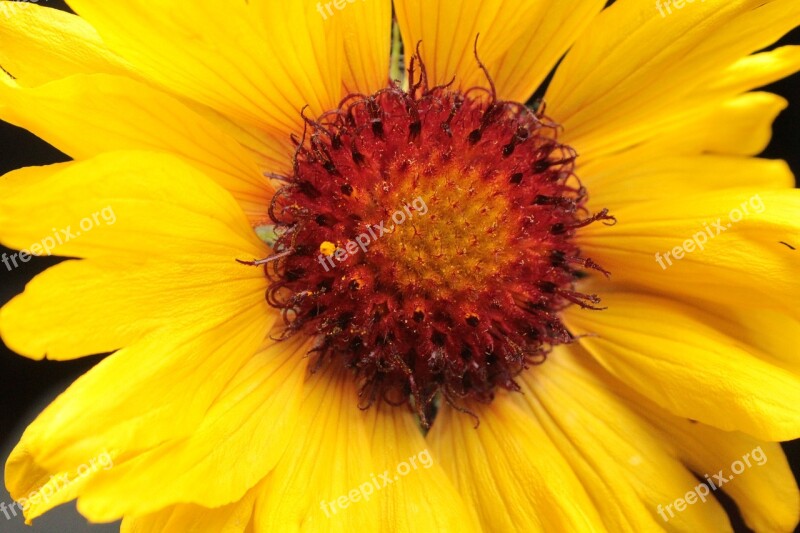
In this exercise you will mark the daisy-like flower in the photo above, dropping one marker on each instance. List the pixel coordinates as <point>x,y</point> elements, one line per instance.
<point>341,301</point>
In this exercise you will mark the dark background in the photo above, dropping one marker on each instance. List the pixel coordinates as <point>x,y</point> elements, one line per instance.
<point>26,386</point>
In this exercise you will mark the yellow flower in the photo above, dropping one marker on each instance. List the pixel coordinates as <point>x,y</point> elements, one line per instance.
<point>223,410</point>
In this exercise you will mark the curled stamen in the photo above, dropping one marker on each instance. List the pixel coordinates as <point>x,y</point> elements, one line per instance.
<point>266,260</point>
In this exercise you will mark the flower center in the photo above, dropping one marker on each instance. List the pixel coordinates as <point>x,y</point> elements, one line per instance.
<point>426,237</point>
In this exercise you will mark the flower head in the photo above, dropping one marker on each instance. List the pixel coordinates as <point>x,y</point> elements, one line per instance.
<point>342,300</point>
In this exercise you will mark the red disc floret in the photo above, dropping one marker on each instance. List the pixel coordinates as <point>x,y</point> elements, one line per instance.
<point>462,292</point>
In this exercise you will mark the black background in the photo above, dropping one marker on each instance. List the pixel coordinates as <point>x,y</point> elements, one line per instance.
<point>25,385</point>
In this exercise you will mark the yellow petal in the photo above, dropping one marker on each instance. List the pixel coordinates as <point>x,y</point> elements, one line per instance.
<point>765,492</point>
<point>239,440</point>
<point>627,178</point>
<point>741,125</point>
<point>139,204</point>
<point>378,476</point>
<point>317,485</point>
<point>45,44</point>
<point>39,44</point>
<point>510,470</point>
<point>272,153</point>
<point>45,490</point>
<point>259,62</point>
<point>757,70</point>
<point>158,389</point>
<point>557,25</point>
<point>757,474</point>
<point>633,67</point>
<point>772,336</point>
<point>627,466</point>
<point>188,518</point>
<point>422,498</point>
<point>366,28</point>
<point>159,234</point>
<point>661,246</point>
<point>448,31</point>
<point>665,351</point>
<point>769,335</point>
<point>86,115</point>
<point>80,308</point>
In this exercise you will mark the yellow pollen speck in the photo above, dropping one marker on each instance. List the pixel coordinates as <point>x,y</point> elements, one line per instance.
<point>327,248</point>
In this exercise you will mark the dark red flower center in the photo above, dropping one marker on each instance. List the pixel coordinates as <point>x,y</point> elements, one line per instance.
<point>426,237</point>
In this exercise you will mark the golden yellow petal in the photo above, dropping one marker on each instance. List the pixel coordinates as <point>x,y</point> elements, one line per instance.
<point>80,308</point>
<point>159,234</point>
<point>557,25</point>
<point>421,497</point>
<point>366,27</point>
<point>321,483</point>
<point>627,178</point>
<point>627,466</point>
<point>765,489</point>
<point>139,205</point>
<point>189,518</point>
<point>448,30</point>
<point>39,44</point>
<point>510,470</point>
<point>85,115</point>
<point>721,247</point>
<point>159,389</point>
<point>259,62</point>
<point>756,70</point>
<point>634,67</point>
<point>755,473</point>
<point>241,438</point>
<point>666,352</point>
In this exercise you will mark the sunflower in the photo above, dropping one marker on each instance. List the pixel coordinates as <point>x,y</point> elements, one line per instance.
<point>339,299</point>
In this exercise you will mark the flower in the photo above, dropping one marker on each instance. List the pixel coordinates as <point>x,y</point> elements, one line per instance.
<point>573,374</point>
